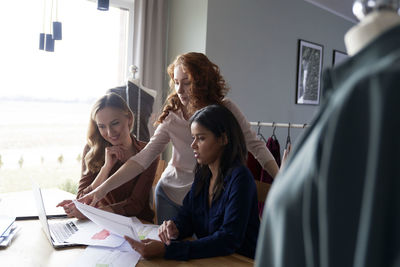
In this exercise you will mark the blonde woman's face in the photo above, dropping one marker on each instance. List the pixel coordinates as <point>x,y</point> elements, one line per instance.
<point>182,85</point>
<point>113,125</point>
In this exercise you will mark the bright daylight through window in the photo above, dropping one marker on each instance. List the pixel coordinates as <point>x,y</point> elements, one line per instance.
<point>46,97</point>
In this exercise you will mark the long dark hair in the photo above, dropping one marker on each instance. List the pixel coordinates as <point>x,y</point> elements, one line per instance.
<point>220,121</point>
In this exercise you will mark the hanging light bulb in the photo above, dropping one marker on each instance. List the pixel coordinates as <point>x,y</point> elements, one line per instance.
<point>42,34</point>
<point>49,43</point>
<point>103,5</point>
<point>57,27</point>
<point>49,37</point>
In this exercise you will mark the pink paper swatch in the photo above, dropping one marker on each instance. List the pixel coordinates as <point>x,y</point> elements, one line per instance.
<point>101,235</point>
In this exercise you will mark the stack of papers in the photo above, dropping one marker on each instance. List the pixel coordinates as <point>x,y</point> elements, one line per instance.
<point>122,256</point>
<point>118,224</point>
<point>8,230</point>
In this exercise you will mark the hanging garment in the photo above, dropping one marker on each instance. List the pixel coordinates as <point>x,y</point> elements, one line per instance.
<point>274,147</point>
<point>336,201</point>
<point>258,172</point>
<point>146,108</point>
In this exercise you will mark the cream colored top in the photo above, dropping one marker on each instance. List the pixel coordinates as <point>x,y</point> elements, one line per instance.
<point>177,178</point>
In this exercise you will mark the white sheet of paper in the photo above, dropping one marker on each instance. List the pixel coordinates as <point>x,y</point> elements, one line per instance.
<point>95,235</point>
<point>115,223</point>
<point>149,231</point>
<point>97,256</point>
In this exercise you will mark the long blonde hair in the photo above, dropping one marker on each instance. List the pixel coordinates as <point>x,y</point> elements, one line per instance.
<point>207,84</point>
<point>95,157</point>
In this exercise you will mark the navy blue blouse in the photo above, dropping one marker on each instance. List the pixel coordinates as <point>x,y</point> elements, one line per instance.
<point>229,226</point>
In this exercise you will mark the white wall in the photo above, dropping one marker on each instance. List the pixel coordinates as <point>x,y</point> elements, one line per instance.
<point>187,27</point>
<point>255,44</point>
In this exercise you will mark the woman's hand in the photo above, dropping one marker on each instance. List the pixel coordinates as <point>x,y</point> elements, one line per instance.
<point>70,209</point>
<point>148,248</point>
<point>168,231</point>
<point>113,154</point>
<point>93,197</point>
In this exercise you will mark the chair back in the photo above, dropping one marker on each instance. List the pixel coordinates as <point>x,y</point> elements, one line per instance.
<point>262,190</point>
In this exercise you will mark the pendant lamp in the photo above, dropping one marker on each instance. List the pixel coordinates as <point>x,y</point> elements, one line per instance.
<point>57,27</point>
<point>42,34</point>
<point>103,5</point>
<point>49,47</point>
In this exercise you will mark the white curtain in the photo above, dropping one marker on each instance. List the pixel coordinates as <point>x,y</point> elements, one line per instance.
<point>149,44</point>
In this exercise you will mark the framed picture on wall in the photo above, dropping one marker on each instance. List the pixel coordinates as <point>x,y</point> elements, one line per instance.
<point>338,56</point>
<point>309,66</point>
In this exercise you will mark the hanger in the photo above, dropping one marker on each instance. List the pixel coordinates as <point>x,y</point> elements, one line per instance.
<point>273,136</point>
<point>133,70</point>
<point>288,142</point>
<point>259,133</point>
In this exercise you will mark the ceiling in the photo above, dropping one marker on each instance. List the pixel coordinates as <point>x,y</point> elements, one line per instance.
<point>342,8</point>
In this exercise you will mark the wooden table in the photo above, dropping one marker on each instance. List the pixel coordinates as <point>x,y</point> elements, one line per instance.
<point>30,247</point>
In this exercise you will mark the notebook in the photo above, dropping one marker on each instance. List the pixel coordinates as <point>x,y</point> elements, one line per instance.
<point>57,231</point>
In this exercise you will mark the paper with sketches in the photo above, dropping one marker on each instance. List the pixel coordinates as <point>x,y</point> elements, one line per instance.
<point>115,223</point>
<point>148,231</point>
<point>105,257</point>
<point>95,235</point>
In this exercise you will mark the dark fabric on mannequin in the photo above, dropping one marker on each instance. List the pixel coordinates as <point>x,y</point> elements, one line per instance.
<point>336,200</point>
<point>146,108</point>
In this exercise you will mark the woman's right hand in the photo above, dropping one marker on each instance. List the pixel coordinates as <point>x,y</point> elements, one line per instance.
<point>93,197</point>
<point>113,154</point>
<point>168,231</point>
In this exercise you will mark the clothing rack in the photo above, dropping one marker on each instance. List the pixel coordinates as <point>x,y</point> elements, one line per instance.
<point>278,124</point>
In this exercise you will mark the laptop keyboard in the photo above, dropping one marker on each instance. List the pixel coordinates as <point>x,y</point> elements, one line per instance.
<point>61,231</point>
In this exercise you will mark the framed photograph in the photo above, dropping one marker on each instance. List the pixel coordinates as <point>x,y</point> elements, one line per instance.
<point>309,67</point>
<point>338,56</point>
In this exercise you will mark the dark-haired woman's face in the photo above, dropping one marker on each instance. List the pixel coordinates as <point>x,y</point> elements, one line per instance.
<point>206,146</point>
<point>182,85</point>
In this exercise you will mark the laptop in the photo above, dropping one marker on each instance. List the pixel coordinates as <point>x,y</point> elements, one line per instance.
<point>57,232</point>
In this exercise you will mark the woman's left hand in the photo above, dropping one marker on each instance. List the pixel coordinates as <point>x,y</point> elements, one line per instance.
<point>148,248</point>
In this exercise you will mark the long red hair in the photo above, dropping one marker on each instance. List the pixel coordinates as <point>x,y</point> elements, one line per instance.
<point>207,84</point>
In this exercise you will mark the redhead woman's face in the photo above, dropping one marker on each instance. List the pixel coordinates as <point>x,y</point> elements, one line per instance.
<point>113,125</point>
<point>206,146</point>
<point>182,85</point>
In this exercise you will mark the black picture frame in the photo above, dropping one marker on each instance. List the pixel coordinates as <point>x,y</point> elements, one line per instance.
<point>338,57</point>
<point>309,69</point>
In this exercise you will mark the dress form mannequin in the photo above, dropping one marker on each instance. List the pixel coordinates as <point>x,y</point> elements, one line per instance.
<point>371,25</point>
<point>336,201</point>
<point>133,69</point>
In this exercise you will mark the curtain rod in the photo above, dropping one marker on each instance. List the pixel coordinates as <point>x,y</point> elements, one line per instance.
<point>278,124</point>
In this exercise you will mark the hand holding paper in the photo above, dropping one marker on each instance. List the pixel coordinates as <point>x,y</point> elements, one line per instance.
<point>115,223</point>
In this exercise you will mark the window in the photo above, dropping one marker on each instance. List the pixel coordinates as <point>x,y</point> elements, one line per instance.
<point>46,97</point>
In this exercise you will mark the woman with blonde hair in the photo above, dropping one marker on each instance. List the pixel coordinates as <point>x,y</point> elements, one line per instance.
<point>109,145</point>
<point>195,82</point>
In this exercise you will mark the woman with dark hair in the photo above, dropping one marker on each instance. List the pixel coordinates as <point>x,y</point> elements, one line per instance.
<point>221,207</point>
<point>195,82</point>
<point>110,144</point>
